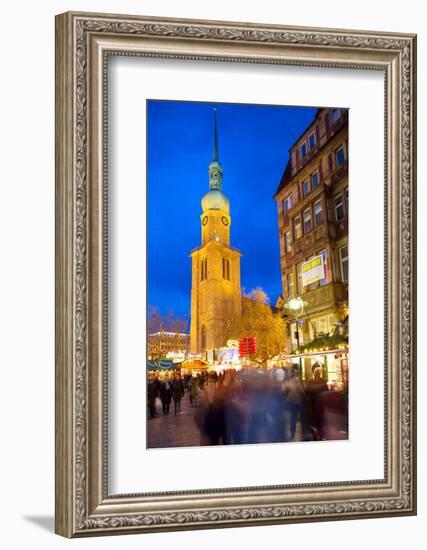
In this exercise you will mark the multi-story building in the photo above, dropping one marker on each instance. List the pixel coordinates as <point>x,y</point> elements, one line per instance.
<point>312,204</point>
<point>163,343</point>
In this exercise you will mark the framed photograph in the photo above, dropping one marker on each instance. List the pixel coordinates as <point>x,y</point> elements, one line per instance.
<point>235,274</point>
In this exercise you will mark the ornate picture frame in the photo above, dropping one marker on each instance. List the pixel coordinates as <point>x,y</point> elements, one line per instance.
<point>84,42</point>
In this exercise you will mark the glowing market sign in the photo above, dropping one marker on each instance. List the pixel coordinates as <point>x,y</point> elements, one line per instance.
<point>313,270</point>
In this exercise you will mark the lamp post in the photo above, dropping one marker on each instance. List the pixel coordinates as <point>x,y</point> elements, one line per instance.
<point>296,305</point>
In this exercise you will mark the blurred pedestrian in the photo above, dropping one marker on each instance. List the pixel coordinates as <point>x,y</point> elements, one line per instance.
<point>214,396</point>
<point>152,394</point>
<point>194,392</point>
<point>235,411</point>
<point>177,393</point>
<point>315,388</point>
<point>295,400</point>
<point>166,396</point>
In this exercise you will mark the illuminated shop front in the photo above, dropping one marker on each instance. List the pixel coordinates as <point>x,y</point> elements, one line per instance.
<point>331,365</point>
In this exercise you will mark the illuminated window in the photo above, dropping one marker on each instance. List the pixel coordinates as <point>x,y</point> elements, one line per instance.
<point>326,280</point>
<point>307,220</point>
<point>288,243</point>
<point>306,188</point>
<point>290,284</point>
<point>318,212</point>
<point>323,324</point>
<point>288,203</point>
<point>299,278</point>
<point>344,263</point>
<point>297,228</point>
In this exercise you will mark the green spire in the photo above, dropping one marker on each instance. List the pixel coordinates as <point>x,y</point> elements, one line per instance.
<point>215,143</point>
<point>215,168</point>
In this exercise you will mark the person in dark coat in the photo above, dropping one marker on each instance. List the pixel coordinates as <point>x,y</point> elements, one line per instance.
<point>214,397</point>
<point>166,396</point>
<point>295,401</point>
<point>315,389</point>
<point>177,393</point>
<point>152,393</point>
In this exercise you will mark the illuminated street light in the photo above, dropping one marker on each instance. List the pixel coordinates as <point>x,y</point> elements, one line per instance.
<point>295,303</point>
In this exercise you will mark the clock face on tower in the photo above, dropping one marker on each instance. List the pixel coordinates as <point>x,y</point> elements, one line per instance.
<point>205,220</point>
<point>224,220</point>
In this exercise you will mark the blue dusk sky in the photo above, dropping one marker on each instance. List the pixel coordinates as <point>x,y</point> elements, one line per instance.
<point>253,144</point>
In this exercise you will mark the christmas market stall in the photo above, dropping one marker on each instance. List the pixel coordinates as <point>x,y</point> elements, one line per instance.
<point>193,366</point>
<point>325,357</point>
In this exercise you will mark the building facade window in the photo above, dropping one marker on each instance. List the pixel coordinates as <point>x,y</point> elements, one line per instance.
<point>344,263</point>
<point>303,150</point>
<point>322,325</point>
<point>335,115</point>
<point>327,278</point>
<point>290,281</point>
<point>339,157</point>
<point>318,212</point>
<point>306,187</point>
<point>339,207</point>
<point>297,228</point>
<point>312,140</point>
<point>300,287</point>
<point>308,226</point>
<point>288,242</point>
<point>314,180</point>
<point>288,203</point>
<point>297,334</point>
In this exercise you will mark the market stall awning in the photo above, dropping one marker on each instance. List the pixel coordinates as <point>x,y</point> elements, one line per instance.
<point>194,363</point>
<point>160,364</point>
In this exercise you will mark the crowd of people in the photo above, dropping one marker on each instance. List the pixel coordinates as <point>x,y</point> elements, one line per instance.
<point>167,390</point>
<point>255,405</point>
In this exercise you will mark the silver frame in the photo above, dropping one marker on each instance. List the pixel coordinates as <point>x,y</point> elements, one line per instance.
<point>83,43</point>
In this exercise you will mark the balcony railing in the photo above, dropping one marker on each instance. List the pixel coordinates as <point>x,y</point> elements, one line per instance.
<point>325,296</point>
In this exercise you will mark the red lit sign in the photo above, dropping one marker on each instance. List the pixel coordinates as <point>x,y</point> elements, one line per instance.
<point>247,346</point>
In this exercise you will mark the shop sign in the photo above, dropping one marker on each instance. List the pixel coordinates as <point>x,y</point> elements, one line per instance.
<point>313,270</point>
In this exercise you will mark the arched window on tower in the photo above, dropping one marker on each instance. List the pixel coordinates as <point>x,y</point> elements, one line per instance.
<point>204,269</point>
<point>203,338</point>
<point>226,269</point>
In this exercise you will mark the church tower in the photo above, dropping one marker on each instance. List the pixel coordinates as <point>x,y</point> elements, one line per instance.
<point>215,289</point>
